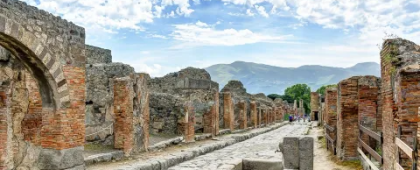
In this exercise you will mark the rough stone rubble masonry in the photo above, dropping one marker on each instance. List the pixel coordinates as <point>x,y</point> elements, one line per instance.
<point>400,96</point>
<point>169,93</point>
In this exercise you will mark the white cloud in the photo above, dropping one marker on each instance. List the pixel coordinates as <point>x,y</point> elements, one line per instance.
<point>249,12</point>
<point>111,15</point>
<point>158,36</point>
<point>201,34</point>
<point>371,18</point>
<point>261,11</point>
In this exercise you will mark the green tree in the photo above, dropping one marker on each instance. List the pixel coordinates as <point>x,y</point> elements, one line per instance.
<point>300,91</point>
<point>284,97</point>
<point>321,90</point>
<point>274,96</point>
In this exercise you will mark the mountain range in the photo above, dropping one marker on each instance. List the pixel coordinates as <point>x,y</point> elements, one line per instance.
<point>261,78</point>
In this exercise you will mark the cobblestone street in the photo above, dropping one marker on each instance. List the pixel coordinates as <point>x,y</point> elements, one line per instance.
<point>260,147</point>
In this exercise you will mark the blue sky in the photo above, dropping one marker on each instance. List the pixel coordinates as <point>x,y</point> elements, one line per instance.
<point>162,36</point>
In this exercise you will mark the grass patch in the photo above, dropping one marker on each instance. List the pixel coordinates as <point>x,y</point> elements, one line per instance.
<point>323,142</point>
<point>356,165</point>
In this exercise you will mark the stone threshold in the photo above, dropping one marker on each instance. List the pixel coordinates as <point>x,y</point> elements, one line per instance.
<point>163,163</point>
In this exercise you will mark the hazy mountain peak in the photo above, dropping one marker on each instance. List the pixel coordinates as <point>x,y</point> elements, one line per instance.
<point>272,79</point>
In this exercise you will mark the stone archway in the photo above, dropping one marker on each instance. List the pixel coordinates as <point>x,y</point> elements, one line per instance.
<point>52,52</point>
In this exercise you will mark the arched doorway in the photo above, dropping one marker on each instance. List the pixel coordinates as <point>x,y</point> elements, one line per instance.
<point>42,65</point>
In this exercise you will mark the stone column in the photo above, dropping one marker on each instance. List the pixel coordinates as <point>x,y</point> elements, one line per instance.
<point>254,114</point>
<point>228,116</point>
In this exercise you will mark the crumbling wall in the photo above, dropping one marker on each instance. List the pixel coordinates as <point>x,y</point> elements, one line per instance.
<point>171,92</point>
<point>400,92</point>
<point>347,119</point>
<point>99,113</point>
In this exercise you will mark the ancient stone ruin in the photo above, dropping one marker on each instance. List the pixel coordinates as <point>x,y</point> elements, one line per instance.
<point>58,95</point>
<point>172,95</point>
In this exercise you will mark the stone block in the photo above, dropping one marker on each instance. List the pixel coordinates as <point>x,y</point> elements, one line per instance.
<point>261,164</point>
<point>290,149</point>
<point>306,153</point>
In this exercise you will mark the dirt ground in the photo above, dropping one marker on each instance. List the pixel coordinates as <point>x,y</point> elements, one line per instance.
<point>324,160</point>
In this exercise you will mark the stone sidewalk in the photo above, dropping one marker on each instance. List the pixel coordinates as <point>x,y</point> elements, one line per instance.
<point>174,155</point>
<point>261,147</point>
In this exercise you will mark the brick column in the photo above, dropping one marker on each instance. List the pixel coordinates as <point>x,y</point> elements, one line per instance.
<point>331,112</point>
<point>217,114</point>
<point>189,122</point>
<point>260,117</point>
<point>123,108</point>
<point>228,116</point>
<point>347,110</point>
<point>210,120</point>
<point>242,115</point>
<point>254,114</point>
<point>368,91</point>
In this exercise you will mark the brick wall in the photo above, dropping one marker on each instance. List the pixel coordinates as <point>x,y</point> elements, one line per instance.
<point>400,93</point>
<point>32,122</point>
<point>368,91</point>
<point>331,110</point>
<point>347,120</point>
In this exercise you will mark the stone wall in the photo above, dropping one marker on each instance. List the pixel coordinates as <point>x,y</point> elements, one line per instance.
<point>100,73</point>
<point>96,55</point>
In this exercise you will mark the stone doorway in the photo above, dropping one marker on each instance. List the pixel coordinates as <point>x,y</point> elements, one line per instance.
<point>316,116</point>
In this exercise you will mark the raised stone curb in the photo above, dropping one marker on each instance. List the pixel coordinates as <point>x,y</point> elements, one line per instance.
<point>104,157</point>
<point>167,161</point>
<point>165,143</point>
